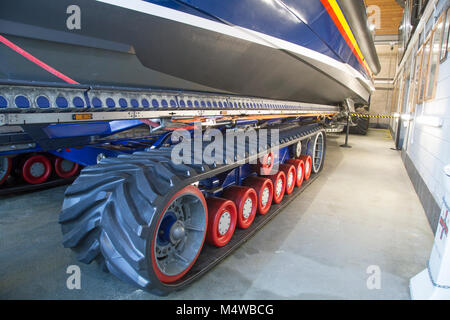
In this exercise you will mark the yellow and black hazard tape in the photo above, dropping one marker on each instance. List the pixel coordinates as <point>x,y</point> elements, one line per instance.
<point>378,116</point>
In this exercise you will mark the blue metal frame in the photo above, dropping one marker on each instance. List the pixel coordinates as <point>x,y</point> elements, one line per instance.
<point>88,155</point>
<point>89,129</point>
<point>237,175</point>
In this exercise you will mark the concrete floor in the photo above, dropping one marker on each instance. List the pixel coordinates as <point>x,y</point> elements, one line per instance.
<point>361,211</point>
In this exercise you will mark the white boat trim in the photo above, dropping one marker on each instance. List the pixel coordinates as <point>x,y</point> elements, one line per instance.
<point>240,33</point>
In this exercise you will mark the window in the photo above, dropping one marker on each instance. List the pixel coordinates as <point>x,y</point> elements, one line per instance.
<point>429,25</point>
<point>420,39</point>
<point>445,42</point>
<point>434,60</point>
<point>403,92</point>
<point>424,69</point>
<point>394,104</point>
<point>399,93</point>
<point>418,76</point>
<point>412,85</point>
<point>422,4</point>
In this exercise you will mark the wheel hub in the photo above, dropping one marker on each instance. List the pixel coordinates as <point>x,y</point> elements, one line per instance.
<point>298,149</point>
<point>299,173</point>
<point>37,169</point>
<point>224,223</point>
<point>279,187</point>
<point>265,197</point>
<point>248,208</point>
<point>67,165</point>
<point>180,234</point>
<point>290,179</point>
<point>165,229</point>
<point>177,232</point>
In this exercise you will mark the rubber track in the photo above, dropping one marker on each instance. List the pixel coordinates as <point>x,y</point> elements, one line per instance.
<point>110,210</point>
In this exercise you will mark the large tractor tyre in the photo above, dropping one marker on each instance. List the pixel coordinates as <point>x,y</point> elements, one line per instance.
<point>139,218</point>
<point>362,125</point>
<point>362,122</point>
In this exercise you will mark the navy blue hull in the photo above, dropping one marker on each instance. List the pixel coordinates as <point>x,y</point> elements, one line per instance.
<point>200,46</point>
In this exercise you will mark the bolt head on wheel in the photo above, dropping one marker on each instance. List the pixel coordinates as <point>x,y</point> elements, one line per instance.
<point>179,234</point>
<point>246,201</point>
<point>291,176</point>
<point>279,186</point>
<point>264,192</point>
<point>222,217</point>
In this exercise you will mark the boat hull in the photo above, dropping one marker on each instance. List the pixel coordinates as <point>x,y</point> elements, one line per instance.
<point>139,44</point>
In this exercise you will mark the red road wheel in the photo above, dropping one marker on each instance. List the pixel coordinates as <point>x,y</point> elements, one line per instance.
<point>5,168</point>
<point>264,191</point>
<point>308,165</point>
<point>36,169</point>
<point>246,201</point>
<point>65,168</point>
<point>299,169</point>
<point>222,218</point>
<point>291,176</point>
<point>279,186</point>
<point>265,165</point>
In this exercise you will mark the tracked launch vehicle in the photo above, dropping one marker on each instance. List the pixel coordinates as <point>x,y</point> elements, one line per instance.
<point>114,87</point>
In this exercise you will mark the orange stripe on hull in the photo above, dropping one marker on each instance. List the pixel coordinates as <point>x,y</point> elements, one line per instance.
<point>343,32</point>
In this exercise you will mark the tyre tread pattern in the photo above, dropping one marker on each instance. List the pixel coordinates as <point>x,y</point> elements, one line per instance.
<point>100,217</point>
<point>109,210</point>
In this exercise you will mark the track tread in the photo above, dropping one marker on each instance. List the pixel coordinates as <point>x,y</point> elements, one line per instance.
<point>117,235</point>
<point>109,211</point>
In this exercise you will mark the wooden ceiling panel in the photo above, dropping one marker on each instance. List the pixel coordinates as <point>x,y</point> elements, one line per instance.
<point>390,16</point>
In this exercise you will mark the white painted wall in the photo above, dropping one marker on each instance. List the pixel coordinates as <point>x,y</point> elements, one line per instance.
<point>429,147</point>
